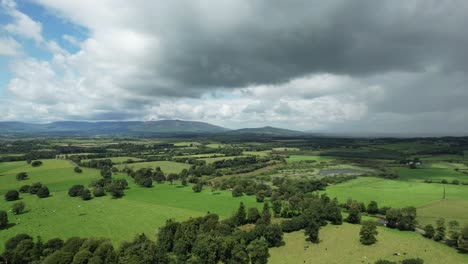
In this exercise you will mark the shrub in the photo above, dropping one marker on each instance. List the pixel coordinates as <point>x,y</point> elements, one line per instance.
<point>24,189</point>
<point>36,163</point>
<point>3,220</point>
<point>12,195</point>
<point>444,181</point>
<point>43,192</point>
<point>21,176</point>
<point>18,208</point>
<point>197,187</point>
<point>98,192</point>
<point>86,195</point>
<point>78,169</point>
<point>76,190</point>
<point>35,188</point>
<point>456,182</point>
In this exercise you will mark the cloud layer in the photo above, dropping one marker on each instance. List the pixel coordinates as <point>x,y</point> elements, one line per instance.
<point>338,65</point>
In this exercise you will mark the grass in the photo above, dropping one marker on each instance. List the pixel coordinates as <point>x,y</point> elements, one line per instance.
<point>216,145</point>
<point>166,166</point>
<point>286,149</point>
<point>140,210</point>
<point>395,193</point>
<point>211,160</point>
<point>340,244</point>
<point>298,158</point>
<point>257,153</point>
<point>436,173</point>
<point>451,209</point>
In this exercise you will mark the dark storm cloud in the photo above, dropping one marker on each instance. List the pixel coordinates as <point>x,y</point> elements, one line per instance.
<point>280,40</point>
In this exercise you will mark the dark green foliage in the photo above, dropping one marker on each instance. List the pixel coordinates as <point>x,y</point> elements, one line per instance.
<point>75,190</point>
<point>454,233</point>
<point>276,206</point>
<point>253,215</point>
<point>258,251</point>
<point>237,191</point>
<point>3,220</point>
<point>312,231</point>
<point>106,173</point>
<point>383,261</point>
<point>440,230</point>
<point>413,261</point>
<point>166,235</point>
<point>12,195</point>
<point>52,245</point>
<point>99,192</point>
<point>77,169</point>
<point>429,231</point>
<point>18,208</point>
<point>266,215</point>
<point>43,192</point>
<point>354,216</point>
<point>21,176</point>
<point>463,240</point>
<point>36,163</point>
<point>35,188</point>
<point>86,195</point>
<point>260,196</point>
<point>24,189</point>
<point>373,208</point>
<point>240,217</point>
<point>368,232</point>
<point>294,224</point>
<point>172,177</point>
<point>198,187</point>
<point>59,257</point>
<point>404,219</point>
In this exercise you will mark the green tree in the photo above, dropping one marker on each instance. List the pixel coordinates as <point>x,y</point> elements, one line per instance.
<point>3,220</point>
<point>198,187</point>
<point>21,176</point>
<point>237,191</point>
<point>276,206</point>
<point>266,215</point>
<point>99,192</point>
<point>24,189</point>
<point>43,192</point>
<point>78,169</point>
<point>86,195</point>
<point>258,251</point>
<point>429,231</point>
<point>12,195</point>
<point>312,231</point>
<point>463,240</point>
<point>35,187</point>
<point>440,230</point>
<point>18,208</point>
<point>59,257</point>
<point>368,233</point>
<point>354,216</point>
<point>75,190</point>
<point>260,196</point>
<point>253,215</point>
<point>454,233</point>
<point>240,217</point>
<point>82,257</point>
<point>373,208</point>
<point>172,177</point>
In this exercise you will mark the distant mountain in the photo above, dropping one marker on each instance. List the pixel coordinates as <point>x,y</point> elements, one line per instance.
<point>124,127</point>
<point>268,130</point>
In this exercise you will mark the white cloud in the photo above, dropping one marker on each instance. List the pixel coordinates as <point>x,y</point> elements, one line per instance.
<point>22,25</point>
<point>9,47</point>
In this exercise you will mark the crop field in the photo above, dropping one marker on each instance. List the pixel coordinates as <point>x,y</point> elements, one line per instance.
<point>166,166</point>
<point>340,244</point>
<point>140,210</point>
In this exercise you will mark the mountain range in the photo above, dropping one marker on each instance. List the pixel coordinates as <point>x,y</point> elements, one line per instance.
<point>166,127</point>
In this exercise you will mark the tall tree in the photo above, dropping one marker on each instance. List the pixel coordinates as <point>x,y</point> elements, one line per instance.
<point>258,251</point>
<point>368,233</point>
<point>440,230</point>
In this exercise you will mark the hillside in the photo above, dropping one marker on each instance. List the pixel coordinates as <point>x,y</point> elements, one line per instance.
<point>268,130</point>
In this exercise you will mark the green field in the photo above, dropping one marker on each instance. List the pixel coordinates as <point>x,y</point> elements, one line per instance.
<point>436,173</point>
<point>140,210</point>
<point>257,153</point>
<point>340,244</point>
<point>297,158</point>
<point>395,193</point>
<point>450,209</point>
<point>166,166</point>
<point>211,160</point>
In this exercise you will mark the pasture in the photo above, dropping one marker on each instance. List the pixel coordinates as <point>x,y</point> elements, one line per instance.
<point>298,158</point>
<point>166,166</point>
<point>340,244</point>
<point>140,210</point>
<point>118,159</point>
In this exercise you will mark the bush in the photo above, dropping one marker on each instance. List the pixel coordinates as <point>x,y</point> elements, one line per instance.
<point>413,261</point>
<point>35,188</point>
<point>76,190</point>
<point>12,195</point>
<point>86,195</point>
<point>78,169</point>
<point>24,189</point>
<point>18,208</point>
<point>36,163</point>
<point>444,181</point>
<point>237,191</point>
<point>197,187</point>
<point>3,220</point>
<point>21,176</point>
<point>43,192</point>
<point>456,182</point>
<point>98,192</point>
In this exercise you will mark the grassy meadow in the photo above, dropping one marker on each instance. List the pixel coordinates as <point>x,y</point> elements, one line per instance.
<point>340,244</point>
<point>140,210</point>
<point>166,166</point>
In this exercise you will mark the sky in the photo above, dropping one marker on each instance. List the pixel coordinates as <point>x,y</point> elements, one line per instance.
<point>335,66</point>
